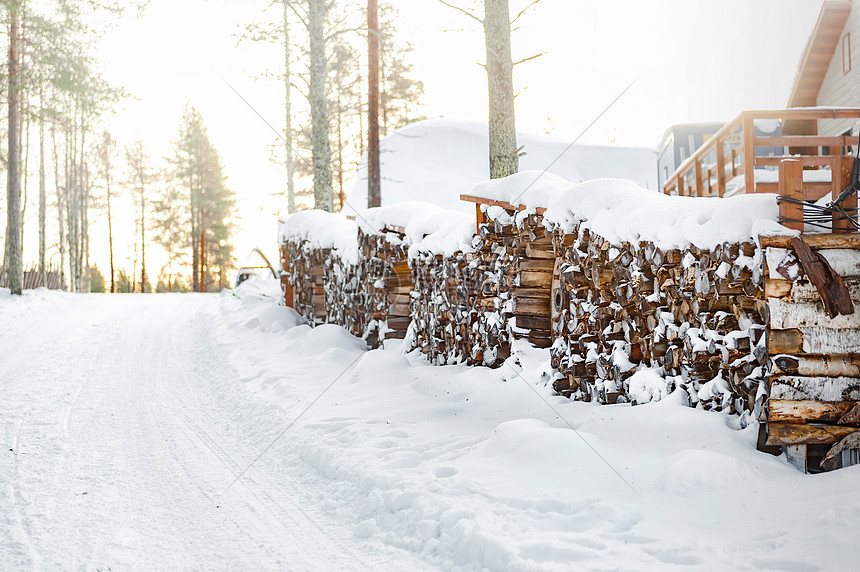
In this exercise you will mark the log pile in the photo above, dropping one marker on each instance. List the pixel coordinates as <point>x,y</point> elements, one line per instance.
<point>371,297</point>
<point>695,315</point>
<point>305,273</point>
<point>462,303</point>
<point>813,402</point>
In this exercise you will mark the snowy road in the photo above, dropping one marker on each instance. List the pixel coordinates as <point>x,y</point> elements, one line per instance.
<point>121,427</point>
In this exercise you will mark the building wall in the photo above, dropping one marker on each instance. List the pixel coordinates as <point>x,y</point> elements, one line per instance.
<point>839,88</point>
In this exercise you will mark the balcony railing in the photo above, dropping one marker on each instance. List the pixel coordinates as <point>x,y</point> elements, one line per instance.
<point>728,163</point>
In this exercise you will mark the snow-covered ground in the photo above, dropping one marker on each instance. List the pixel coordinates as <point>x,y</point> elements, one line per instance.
<point>125,419</point>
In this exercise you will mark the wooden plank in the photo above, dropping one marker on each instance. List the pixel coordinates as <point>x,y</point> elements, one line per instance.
<point>748,134</point>
<point>809,411</point>
<point>532,279</point>
<point>803,141</point>
<point>817,161</point>
<point>841,177</point>
<point>532,306</point>
<point>816,241</point>
<point>789,434</point>
<point>720,147</point>
<point>532,322</point>
<point>791,185</point>
<point>542,264</point>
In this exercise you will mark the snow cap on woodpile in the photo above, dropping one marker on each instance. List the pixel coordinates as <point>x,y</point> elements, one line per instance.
<point>529,189</point>
<point>427,227</point>
<point>320,229</point>
<point>622,211</point>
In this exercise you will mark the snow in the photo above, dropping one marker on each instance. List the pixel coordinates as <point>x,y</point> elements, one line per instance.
<point>321,230</point>
<point>437,160</point>
<point>427,227</point>
<point>622,211</point>
<point>153,404</point>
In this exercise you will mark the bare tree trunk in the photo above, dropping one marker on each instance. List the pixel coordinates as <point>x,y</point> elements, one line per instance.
<point>503,134</point>
<point>142,239</point>
<point>288,128</point>
<point>60,208</point>
<point>374,178</point>
<point>43,202</point>
<point>14,262</point>
<point>321,148</point>
<point>340,168</point>
<point>106,161</point>
<point>202,251</point>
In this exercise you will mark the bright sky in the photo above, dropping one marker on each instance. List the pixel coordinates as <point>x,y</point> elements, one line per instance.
<point>695,60</point>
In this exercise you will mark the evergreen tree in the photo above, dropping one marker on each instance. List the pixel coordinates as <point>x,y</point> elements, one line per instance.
<point>210,203</point>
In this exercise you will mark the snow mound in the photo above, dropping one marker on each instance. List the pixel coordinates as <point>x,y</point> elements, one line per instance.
<point>436,160</point>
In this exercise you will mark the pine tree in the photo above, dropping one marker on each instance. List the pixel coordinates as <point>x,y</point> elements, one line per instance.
<point>198,171</point>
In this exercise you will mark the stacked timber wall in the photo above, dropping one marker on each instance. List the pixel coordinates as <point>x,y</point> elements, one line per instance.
<point>738,327</point>
<point>369,297</point>
<point>813,405</point>
<point>696,316</point>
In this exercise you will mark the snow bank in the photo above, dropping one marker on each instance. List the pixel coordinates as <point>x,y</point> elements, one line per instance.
<point>436,160</point>
<point>473,468</point>
<point>320,229</point>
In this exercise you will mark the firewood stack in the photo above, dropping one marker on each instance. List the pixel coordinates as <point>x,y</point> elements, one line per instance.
<point>306,274</point>
<point>813,291</point>
<point>697,314</point>
<point>534,261</point>
<point>371,298</point>
<point>462,303</point>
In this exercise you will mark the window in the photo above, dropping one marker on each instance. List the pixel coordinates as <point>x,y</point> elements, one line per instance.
<point>849,149</point>
<point>846,53</point>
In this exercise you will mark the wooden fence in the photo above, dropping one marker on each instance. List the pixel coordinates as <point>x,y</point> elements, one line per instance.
<point>33,279</point>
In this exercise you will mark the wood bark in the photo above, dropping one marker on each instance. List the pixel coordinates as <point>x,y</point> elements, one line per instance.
<point>288,127</point>
<point>320,146</point>
<point>502,123</point>
<point>374,198</point>
<point>13,254</point>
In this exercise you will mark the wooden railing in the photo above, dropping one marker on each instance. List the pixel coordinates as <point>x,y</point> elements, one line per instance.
<point>731,152</point>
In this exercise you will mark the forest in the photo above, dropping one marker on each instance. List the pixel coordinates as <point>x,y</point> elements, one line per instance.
<point>65,166</point>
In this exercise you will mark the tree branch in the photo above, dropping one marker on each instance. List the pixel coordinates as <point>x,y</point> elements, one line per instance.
<point>523,11</point>
<point>528,59</point>
<point>463,10</point>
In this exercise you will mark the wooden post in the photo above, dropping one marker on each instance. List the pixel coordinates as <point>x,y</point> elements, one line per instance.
<point>721,167</point>
<point>791,185</point>
<point>480,217</point>
<point>840,172</point>
<point>749,153</point>
<point>699,190</point>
